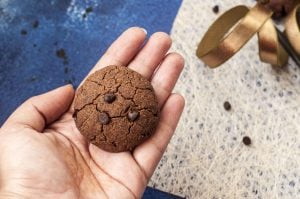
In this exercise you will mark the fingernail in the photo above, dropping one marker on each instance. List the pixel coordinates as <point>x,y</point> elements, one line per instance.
<point>144,30</point>
<point>69,85</point>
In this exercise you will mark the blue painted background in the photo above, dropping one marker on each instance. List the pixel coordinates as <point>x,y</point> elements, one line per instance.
<point>31,33</point>
<point>48,43</point>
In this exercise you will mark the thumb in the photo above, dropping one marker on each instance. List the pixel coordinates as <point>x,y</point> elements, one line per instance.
<point>41,110</point>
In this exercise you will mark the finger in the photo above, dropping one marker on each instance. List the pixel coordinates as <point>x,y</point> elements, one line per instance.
<point>149,58</point>
<point>149,153</point>
<point>122,51</point>
<point>166,76</point>
<point>41,110</point>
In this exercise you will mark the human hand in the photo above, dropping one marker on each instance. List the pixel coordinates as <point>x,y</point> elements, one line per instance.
<point>43,155</point>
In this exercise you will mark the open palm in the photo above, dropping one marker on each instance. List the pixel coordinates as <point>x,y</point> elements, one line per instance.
<point>43,155</point>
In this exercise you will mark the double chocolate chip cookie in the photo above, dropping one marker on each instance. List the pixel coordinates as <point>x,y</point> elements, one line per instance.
<point>116,109</point>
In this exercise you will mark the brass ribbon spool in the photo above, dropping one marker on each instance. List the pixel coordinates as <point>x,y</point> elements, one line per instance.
<point>293,28</point>
<point>232,30</point>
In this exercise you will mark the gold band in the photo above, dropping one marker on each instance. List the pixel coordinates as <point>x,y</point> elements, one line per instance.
<point>293,28</point>
<point>217,45</point>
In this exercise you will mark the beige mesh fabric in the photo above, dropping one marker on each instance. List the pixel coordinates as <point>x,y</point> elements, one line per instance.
<point>206,157</point>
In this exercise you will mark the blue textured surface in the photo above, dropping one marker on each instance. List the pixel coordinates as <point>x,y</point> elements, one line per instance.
<point>28,62</point>
<point>48,43</point>
<point>151,193</point>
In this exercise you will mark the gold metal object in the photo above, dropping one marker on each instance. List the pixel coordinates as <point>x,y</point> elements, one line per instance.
<point>293,28</point>
<point>228,34</point>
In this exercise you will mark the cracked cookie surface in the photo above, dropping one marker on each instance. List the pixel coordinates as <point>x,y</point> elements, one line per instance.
<point>116,109</point>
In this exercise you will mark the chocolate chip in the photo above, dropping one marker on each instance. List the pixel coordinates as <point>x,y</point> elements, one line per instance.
<point>89,9</point>
<point>104,118</point>
<point>109,98</point>
<point>246,140</point>
<point>61,53</point>
<point>23,32</point>
<point>132,115</point>
<point>216,9</point>
<point>227,106</point>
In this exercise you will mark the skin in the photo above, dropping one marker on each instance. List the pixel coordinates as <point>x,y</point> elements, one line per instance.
<point>43,155</point>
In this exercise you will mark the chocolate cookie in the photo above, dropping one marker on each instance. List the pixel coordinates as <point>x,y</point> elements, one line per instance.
<point>116,109</point>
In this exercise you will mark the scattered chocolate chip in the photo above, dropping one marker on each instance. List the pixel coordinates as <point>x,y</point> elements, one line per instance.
<point>104,118</point>
<point>216,9</point>
<point>133,115</point>
<point>89,9</point>
<point>61,53</point>
<point>109,97</point>
<point>246,140</point>
<point>227,106</point>
<point>35,24</point>
<point>23,32</point>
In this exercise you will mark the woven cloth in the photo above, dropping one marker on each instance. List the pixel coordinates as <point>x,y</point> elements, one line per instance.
<point>206,157</point>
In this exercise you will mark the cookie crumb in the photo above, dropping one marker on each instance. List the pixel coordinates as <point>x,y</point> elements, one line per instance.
<point>216,9</point>
<point>61,53</point>
<point>227,106</point>
<point>246,140</point>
